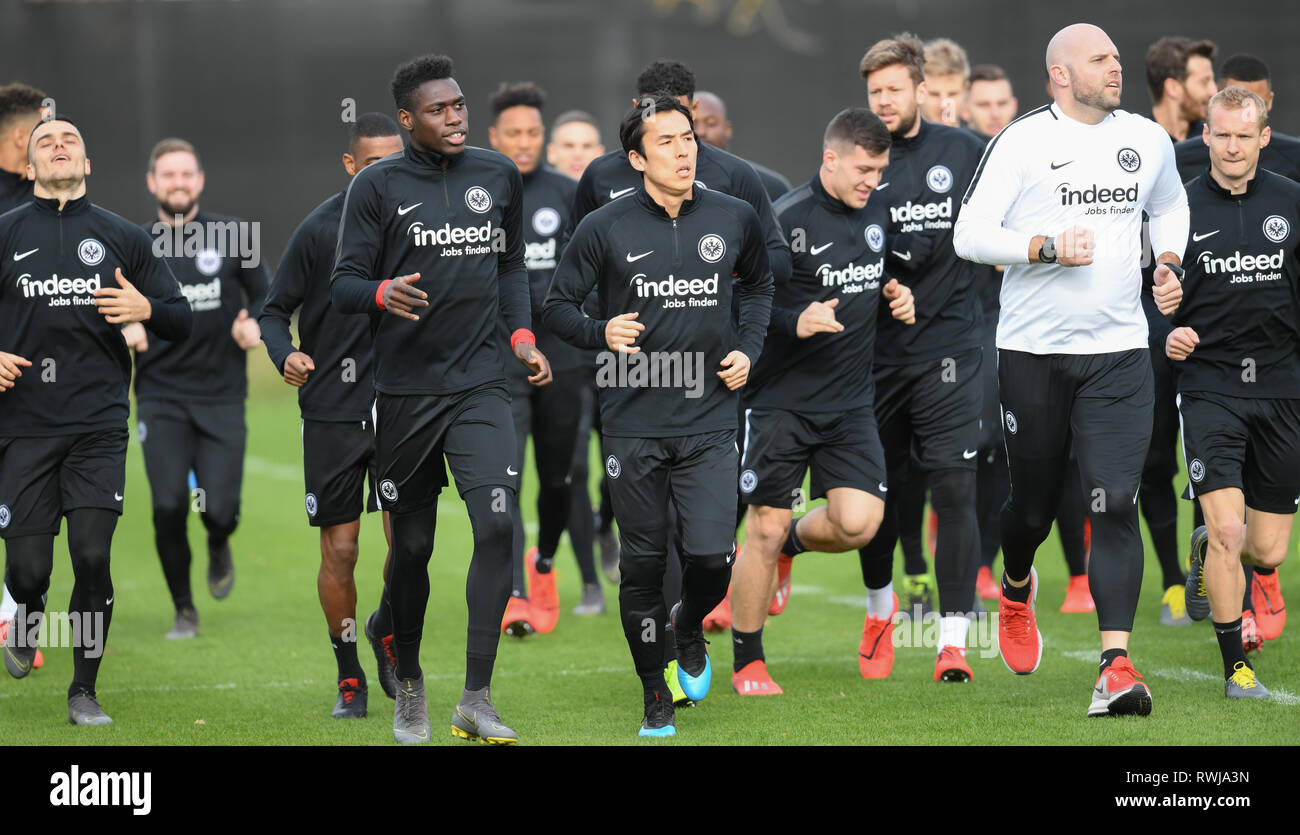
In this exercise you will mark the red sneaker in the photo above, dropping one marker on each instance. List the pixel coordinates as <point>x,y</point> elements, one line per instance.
<point>543,596</point>
<point>1019,641</point>
<point>719,620</point>
<point>986,585</point>
<point>876,651</point>
<point>753,680</point>
<point>1251,638</point>
<point>782,596</point>
<point>933,529</point>
<point>1078,597</point>
<point>517,622</point>
<point>1270,608</point>
<point>1120,691</point>
<point>951,665</point>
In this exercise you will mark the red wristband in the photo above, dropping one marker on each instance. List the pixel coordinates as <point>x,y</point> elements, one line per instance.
<point>379,294</point>
<point>522,335</point>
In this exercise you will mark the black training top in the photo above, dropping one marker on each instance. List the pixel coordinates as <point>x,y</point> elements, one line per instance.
<point>51,263</point>
<point>548,223</point>
<point>457,220</point>
<point>339,389</point>
<point>676,273</point>
<point>842,256</point>
<point>15,190</point>
<point>1241,292</point>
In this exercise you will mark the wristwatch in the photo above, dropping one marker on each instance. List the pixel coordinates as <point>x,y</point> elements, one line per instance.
<point>1047,254</point>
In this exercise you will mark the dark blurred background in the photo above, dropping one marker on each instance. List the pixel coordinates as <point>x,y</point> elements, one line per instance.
<point>257,86</point>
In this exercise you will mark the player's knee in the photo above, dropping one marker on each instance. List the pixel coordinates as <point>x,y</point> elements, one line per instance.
<point>27,581</point>
<point>170,515</point>
<point>89,553</point>
<point>339,548</point>
<point>641,571</point>
<point>1227,537</point>
<point>716,565</point>
<point>855,526</point>
<point>493,529</point>
<point>221,522</point>
<point>769,524</point>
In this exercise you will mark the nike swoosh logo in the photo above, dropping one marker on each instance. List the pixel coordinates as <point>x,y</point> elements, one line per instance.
<point>819,249</point>
<point>1057,165</point>
<point>614,195</point>
<point>1196,237</point>
<point>969,453</point>
<point>511,471</point>
<point>902,256</point>
<point>631,258</point>
<point>108,602</point>
<point>117,496</point>
<point>883,488</point>
<point>401,211</point>
<point>882,187</point>
<point>18,257</point>
<point>17,663</point>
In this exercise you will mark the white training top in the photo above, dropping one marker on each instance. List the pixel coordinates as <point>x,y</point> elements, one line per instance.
<point>1045,173</point>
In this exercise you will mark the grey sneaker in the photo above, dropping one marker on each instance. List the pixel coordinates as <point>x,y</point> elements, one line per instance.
<point>18,659</point>
<point>593,600</point>
<point>411,716</point>
<point>83,709</point>
<point>186,625</point>
<point>351,703</point>
<point>385,656</point>
<point>1173,607</point>
<point>475,718</point>
<point>1194,596</point>
<point>608,542</point>
<point>1244,685</point>
<point>221,571</point>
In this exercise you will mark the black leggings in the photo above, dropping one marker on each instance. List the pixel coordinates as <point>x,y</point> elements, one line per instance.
<point>487,585</point>
<point>90,610</point>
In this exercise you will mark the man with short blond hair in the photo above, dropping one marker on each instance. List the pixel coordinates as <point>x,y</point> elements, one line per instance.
<point>947,76</point>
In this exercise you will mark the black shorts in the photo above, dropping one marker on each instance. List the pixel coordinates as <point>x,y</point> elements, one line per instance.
<point>206,438</point>
<point>41,479</point>
<point>336,457</point>
<point>473,429</point>
<point>1249,443</point>
<point>931,409</point>
<point>842,448</point>
<point>696,473</point>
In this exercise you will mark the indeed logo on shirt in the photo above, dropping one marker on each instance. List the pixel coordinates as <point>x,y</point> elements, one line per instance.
<point>1239,265</point>
<point>540,255</point>
<point>671,287</point>
<point>916,217</point>
<point>203,297</point>
<point>81,290</point>
<point>1097,194</point>
<point>459,240</point>
<point>854,278</point>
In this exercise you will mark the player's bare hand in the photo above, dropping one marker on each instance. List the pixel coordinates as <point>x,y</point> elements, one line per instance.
<point>1168,290</point>
<point>245,331</point>
<point>10,365</point>
<point>900,301</point>
<point>122,303</point>
<point>1074,247</point>
<point>818,317</point>
<point>136,338</point>
<point>297,368</point>
<point>537,363</point>
<point>621,331</point>
<point>737,373</point>
<point>1180,343</point>
<point>401,298</point>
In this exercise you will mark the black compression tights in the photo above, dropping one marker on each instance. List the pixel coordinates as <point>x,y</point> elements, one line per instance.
<point>487,585</point>
<point>90,610</point>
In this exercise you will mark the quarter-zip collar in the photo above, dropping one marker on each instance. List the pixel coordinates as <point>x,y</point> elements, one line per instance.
<point>648,203</point>
<point>1252,185</point>
<point>50,205</point>
<point>828,200</point>
<point>431,159</point>
<point>911,143</point>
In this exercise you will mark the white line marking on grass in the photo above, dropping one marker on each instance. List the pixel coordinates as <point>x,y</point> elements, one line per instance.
<point>856,601</point>
<point>1186,674</point>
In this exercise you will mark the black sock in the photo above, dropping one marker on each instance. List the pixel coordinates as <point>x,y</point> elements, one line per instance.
<point>792,544</point>
<point>345,655</point>
<point>1247,601</point>
<point>747,647</point>
<point>1108,656</point>
<point>545,562</point>
<point>1229,635</point>
<point>1264,571</point>
<point>1018,594</point>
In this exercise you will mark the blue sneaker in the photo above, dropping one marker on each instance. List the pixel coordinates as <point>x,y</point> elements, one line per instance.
<point>692,655</point>
<point>659,719</point>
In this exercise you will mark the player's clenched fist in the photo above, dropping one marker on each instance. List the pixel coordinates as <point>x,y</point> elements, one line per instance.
<point>401,298</point>
<point>1074,247</point>
<point>1180,343</point>
<point>900,301</point>
<point>621,331</point>
<point>1168,290</point>
<point>737,370</point>
<point>297,367</point>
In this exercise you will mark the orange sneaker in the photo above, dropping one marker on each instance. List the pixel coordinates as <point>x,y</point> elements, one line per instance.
<point>1019,641</point>
<point>719,620</point>
<point>1270,609</point>
<point>517,622</point>
<point>933,530</point>
<point>753,680</point>
<point>951,665</point>
<point>985,585</point>
<point>1120,691</point>
<point>38,661</point>
<point>543,596</point>
<point>1251,638</point>
<point>782,596</point>
<point>1078,597</point>
<point>876,651</point>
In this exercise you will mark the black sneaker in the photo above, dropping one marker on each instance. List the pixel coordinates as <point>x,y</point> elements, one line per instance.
<point>18,659</point>
<point>659,719</point>
<point>385,656</point>
<point>352,700</point>
<point>607,540</point>
<point>694,672</point>
<point>84,709</point>
<point>221,571</point>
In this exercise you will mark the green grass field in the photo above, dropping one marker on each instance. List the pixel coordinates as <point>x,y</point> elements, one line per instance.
<point>262,671</point>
